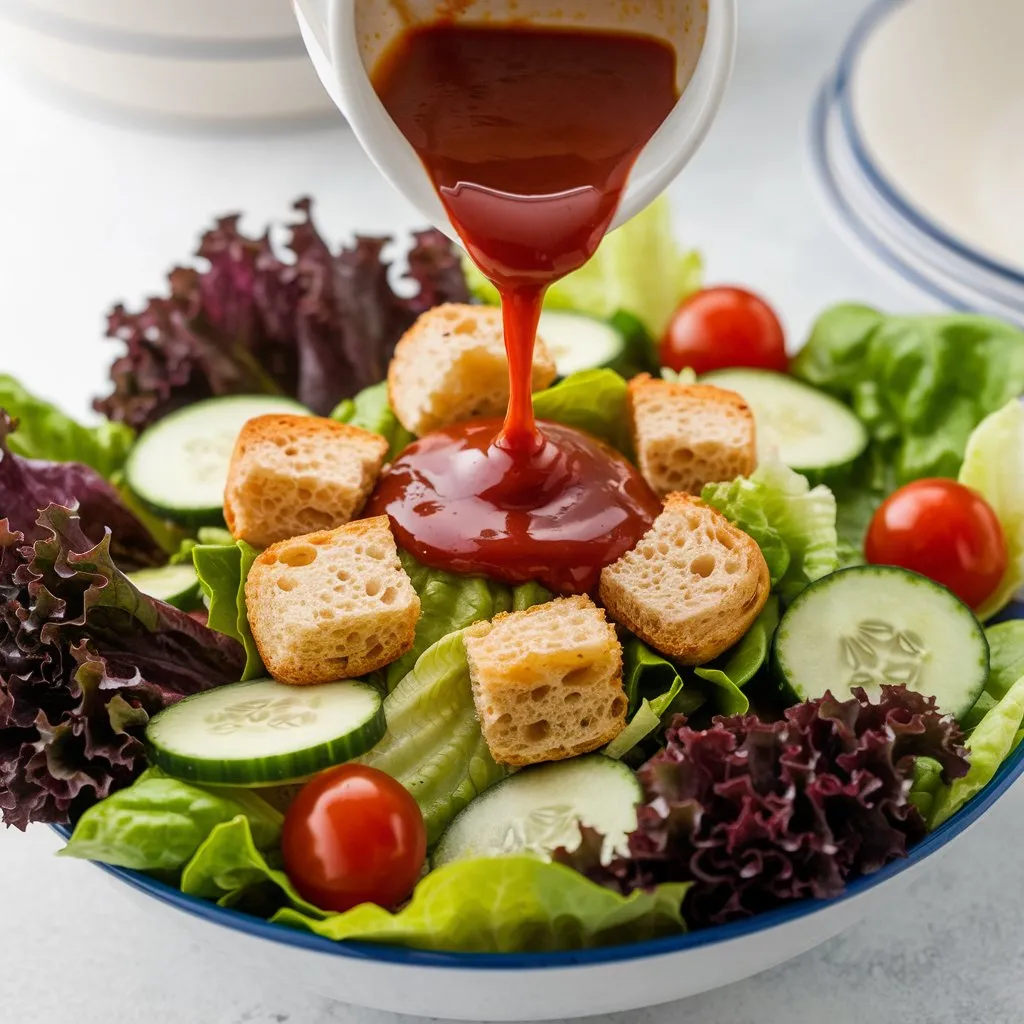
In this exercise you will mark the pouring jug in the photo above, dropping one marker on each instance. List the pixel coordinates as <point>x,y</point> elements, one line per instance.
<point>346,38</point>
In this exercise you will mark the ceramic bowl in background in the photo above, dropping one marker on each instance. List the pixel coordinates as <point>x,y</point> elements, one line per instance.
<point>184,63</point>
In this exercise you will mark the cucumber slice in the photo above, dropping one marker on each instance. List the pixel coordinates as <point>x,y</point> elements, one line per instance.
<point>264,733</point>
<point>875,624</point>
<point>580,342</point>
<point>540,809</point>
<point>176,584</point>
<point>812,431</point>
<point>179,467</point>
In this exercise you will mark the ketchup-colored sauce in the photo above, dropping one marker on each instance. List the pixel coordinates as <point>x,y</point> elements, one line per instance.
<point>456,501</point>
<point>529,135</point>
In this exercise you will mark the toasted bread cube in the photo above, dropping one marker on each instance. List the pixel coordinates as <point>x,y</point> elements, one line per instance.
<point>336,604</point>
<point>692,586</point>
<point>689,435</point>
<point>292,475</point>
<point>451,366</point>
<point>547,682</point>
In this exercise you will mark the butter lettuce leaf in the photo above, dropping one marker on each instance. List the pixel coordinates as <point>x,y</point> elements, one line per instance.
<point>992,741</point>
<point>1006,666</point>
<point>994,467</point>
<point>730,673</point>
<point>46,433</point>
<point>158,823</point>
<point>591,400</point>
<point>920,384</point>
<point>223,570</point>
<point>506,905</point>
<point>639,269</point>
<point>793,523</point>
<point>371,410</point>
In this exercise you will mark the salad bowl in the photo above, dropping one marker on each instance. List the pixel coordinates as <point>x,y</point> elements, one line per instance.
<point>541,986</point>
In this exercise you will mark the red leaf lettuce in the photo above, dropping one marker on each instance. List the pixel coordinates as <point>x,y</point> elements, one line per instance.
<point>757,813</point>
<point>85,659</point>
<point>317,325</point>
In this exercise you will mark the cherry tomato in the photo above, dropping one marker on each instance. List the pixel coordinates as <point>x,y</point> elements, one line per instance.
<point>719,328</point>
<point>353,835</point>
<point>942,530</point>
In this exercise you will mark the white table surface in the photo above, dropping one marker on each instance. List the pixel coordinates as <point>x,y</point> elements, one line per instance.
<point>94,213</point>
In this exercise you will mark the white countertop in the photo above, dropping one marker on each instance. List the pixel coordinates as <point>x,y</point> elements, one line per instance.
<point>94,213</point>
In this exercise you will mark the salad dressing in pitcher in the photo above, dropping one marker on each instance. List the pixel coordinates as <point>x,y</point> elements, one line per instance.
<point>528,135</point>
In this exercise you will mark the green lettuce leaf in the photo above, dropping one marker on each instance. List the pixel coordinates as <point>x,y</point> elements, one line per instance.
<point>591,400</point>
<point>926,783</point>
<point>233,870</point>
<point>371,410</point>
<point>920,384</point>
<point>793,523</point>
<point>991,742</point>
<point>449,603</point>
<point>655,690</point>
<point>994,467</point>
<point>639,269</point>
<point>507,905</point>
<point>1006,666</point>
<point>730,673</point>
<point>433,744</point>
<point>44,432</point>
<point>223,570</point>
<point>158,823</point>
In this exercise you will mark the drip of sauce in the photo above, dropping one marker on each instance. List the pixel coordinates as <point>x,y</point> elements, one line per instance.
<point>528,135</point>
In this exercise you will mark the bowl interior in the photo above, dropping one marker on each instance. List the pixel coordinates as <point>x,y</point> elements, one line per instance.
<point>937,93</point>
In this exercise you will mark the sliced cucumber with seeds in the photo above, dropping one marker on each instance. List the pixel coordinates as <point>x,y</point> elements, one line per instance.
<point>176,584</point>
<point>540,809</point>
<point>811,431</point>
<point>263,733</point>
<point>874,624</point>
<point>179,466</point>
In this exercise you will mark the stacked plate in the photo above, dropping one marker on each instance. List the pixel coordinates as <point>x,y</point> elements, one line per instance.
<point>917,141</point>
<point>187,62</point>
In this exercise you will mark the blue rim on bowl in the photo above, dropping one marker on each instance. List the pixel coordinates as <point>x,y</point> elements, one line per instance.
<point>1008,773</point>
<point>872,18</point>
<point>867,237</point>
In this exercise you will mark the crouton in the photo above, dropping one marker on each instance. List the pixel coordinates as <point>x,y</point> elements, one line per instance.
<point>692,586</point>
<point>451,366</point>
<point>547,682</point>
<point>292,475</point>
<point>689,435</point>
<point>331,605</point>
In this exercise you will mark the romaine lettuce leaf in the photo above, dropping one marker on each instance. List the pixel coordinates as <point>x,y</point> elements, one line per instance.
<point>44,432</point>
<point>994,467</point>
<point>730,673</point>
<point>158,823</point>
<point>920,384</point>
<point>793,523</point>
<point>371,410</point>
<point>433,744</point>
<point>223,570</point>
<point>639,269</point>
<point>507,905</point>
<point>991,742</point>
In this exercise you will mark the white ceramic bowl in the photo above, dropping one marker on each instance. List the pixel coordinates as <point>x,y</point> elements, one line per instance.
<point>129,68</point>
<point>543,986</point>
<point>889,241</point>
<point>935,109</point>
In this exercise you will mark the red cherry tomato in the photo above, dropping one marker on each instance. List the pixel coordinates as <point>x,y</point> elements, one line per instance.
<point>942,530</point>
<point>353,835</point>
<point>719,328</point>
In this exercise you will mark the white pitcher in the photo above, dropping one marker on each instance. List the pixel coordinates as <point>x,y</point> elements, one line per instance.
<point>346,38</point>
